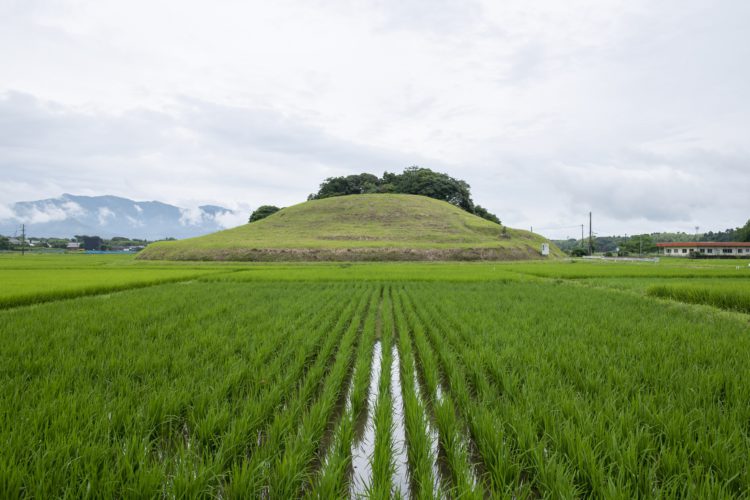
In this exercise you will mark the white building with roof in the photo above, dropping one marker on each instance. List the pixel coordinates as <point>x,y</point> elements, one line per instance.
<point>705,248</point>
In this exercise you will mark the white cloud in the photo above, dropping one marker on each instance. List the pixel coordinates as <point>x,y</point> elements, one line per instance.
<point>104,214</point>
<point>39,213</point>
<point>73,209</point>
<point>191,216</point>
<point>232,219</point>
<point>6,212</point>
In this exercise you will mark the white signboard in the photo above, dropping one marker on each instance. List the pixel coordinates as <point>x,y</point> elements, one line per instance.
<point>545,249</point>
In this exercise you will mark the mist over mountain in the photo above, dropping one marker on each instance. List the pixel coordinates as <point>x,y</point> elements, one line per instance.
<point>109,216</point>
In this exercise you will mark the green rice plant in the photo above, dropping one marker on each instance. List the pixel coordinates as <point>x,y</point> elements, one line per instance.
<point>580,269</point>
<point>450,428</point>
<point>733,295</point>
<point>334,477</point>
<point>291,470</point>
<point>285,425</point>
<point>383,465</point>
<point>542,384</point>
<point>164,384</point>
<point>422,471</point>
<point>25,287</point>
<point>373,272</point>
<point>234,387</point>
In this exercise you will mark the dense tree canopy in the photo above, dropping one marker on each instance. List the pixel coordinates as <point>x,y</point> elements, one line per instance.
<point>89,242</point>
<point>351,184</point>
<point>743,233</point>
<point>731,234</point>
<point>262,212</point>
<point>413,180</point>
<point>647,242</point>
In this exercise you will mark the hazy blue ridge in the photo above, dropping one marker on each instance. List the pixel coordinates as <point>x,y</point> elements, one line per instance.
<point>109,216</point>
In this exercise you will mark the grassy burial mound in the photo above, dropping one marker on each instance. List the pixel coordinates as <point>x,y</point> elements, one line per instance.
<point>367,227</point>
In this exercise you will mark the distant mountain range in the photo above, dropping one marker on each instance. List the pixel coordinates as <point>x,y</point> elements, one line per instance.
<point>109,216</point>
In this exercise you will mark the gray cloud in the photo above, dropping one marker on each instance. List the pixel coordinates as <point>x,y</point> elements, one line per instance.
<point>634,110</point>
<point>195,145</point>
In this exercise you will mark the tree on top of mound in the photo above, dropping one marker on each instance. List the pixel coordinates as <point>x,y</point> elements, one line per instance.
<point>262,212</point>
<point>413,180</point>
<point>350,184</point>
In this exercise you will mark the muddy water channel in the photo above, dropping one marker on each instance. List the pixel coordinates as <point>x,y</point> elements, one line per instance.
<point>363,447</point>
<point>401,474</point>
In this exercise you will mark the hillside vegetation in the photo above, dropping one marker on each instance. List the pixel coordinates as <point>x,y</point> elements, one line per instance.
<point>360,227</point>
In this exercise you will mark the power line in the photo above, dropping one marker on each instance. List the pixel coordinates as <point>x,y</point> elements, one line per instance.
<point>553,228</point>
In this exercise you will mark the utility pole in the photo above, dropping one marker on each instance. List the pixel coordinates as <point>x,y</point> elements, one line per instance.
<point>582,238</point>
<point>591,237</point>
<point>640,245</point>
<point>23,239</point>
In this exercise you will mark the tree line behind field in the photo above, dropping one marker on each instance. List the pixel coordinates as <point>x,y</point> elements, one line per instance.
<point>646,243</point>
<point>85,243</point>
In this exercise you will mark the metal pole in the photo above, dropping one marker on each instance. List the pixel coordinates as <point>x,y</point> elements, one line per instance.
<point>591,239</point>
<point>23,239</point>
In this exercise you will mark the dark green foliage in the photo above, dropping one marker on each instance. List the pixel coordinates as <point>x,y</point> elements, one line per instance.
<point>413,180</point>
<point>630,244</point>
<point>262,212</point>
<point>640,244</point>
<point>485,214</point>
<point>90,242</point>
<point>425,182</point>
<point>351,184</point>
<point>4,243</point>
<point>743,233</point>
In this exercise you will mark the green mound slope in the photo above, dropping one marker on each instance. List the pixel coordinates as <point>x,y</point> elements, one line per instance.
<point>360,227</point>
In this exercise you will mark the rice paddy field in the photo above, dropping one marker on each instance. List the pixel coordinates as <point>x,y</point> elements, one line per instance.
<point>562,379</point>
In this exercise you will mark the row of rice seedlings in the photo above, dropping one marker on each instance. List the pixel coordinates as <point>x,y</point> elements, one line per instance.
<point>401,479</point>
<point>453,440</point>
<point>460,388</point>
<point>291,471</point>
<point>733,295</point>
<point>540,466</point>
<point>358,272</point>
<point>283,339</point>
<point>173,427</point>
<point>334,478</point>
<point>420,451</point>
<point>95,381</point>
<point>251,477</point>
<point>588,441</point>
<point>281,374</point>
<point>503,475</point>
<point>576,269</point>
<point>364,438</point>
<point>384,450</point>
<point>639,433</point>
<point>23,288</point>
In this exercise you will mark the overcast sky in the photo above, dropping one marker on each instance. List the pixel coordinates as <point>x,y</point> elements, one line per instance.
<point>636,110</point>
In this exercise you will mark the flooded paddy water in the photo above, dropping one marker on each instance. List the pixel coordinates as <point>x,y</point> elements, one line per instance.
<point>363,446</point>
